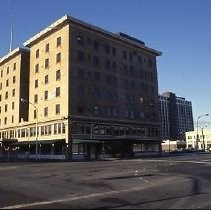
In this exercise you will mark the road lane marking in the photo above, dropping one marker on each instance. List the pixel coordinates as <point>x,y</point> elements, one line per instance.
<point>176,161</point>
<point>28,205</point>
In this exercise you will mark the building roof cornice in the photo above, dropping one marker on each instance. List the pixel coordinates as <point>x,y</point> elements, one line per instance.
<point>69,19</point>
<point>12,54</point>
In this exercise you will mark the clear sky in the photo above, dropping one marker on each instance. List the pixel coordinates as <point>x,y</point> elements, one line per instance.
<point>180,29</point>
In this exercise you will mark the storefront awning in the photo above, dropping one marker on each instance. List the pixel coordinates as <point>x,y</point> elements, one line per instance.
<point>38,142</point>
<point>88,141</point>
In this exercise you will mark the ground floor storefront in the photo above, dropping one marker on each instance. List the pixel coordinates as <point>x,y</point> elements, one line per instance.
<point>79,138</point>
<point>81,149</point>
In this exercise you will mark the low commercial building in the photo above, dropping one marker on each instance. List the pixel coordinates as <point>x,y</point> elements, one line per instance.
<point>203,142</point>
<point>171,146</point>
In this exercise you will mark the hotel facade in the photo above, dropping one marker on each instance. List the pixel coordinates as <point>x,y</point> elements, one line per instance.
<point>80,92</point>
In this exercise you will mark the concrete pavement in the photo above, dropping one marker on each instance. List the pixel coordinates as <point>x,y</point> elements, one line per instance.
<point>171,182</point>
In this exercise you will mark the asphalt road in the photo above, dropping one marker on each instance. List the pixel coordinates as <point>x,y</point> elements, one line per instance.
<point>180,182</point>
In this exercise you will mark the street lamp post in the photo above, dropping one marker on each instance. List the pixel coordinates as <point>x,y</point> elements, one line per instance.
<point>197,125</point>
<point>36,132</point>
<point>203,139</point>
<point>202,133</point>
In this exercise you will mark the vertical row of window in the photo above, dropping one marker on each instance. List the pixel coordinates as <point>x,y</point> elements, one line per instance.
<point>47,78</point>
<point>5,95</point>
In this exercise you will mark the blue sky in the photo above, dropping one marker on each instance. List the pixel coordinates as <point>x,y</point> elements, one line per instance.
<point>180,29</point>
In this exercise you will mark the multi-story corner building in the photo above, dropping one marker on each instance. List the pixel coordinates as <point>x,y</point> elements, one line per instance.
<point>176,116</point>
<point>14,84</point>
<point>90,91</point>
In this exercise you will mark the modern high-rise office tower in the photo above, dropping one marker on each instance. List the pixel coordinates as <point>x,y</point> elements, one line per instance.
<point>176,116</point>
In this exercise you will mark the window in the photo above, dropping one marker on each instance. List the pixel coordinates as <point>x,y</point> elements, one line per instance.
<point>131,56</point>
<point>6,95</point>
<point>5,120</point>
<point>108,95</point>
<point>12,121</point>
<point>1,73</point>
<point>35,114</point>
<point>46,79</point>
<point>80,55</point>
<point>36,83</point>
<point>80,90</point>
<point>114,65</point>
<point>108,111</point>
<point>96,92</point>
<point>88,41</point>
<point>96,76</point>
<point>37,53</point>
<point>141,115</point>
<point>114,80</point>
<point>115,111</point>
<point>107,64</point>
<point>58,42</point>
<point>57,91</point>
<point>96,110</point>
<point>5,108</point>
<point>113,50</point>
<point>96,45</point>
<point>14,66</point>
<point>36,68</point>
<point>58,58</point>
<point>108,79</point>
<point>13,79</point>
<point>8,70</point>
<point>46,111</point>
<point>0,97</point>
<point>55,128</point>
<point>80,108</point>
<point>13,92</point>
<point>13,105</point>
<point>124,54</point>
<point>150,63</point>
<point>89,57</point>
<point>36,98</point>
<point>47,48</point>
<point>46,63</point>
<point>46,95</point>
<point>0,85</point>
<point>96,60</point>
<point>80,73</point>
<point>7,83</point>
<point>107,49</point>
<point>140,59</point>
<point>58,75</point>
<point>57,108</point>
<point>0,109</point>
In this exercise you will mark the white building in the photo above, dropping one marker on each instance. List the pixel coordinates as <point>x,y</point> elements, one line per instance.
<point>203,142</point>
